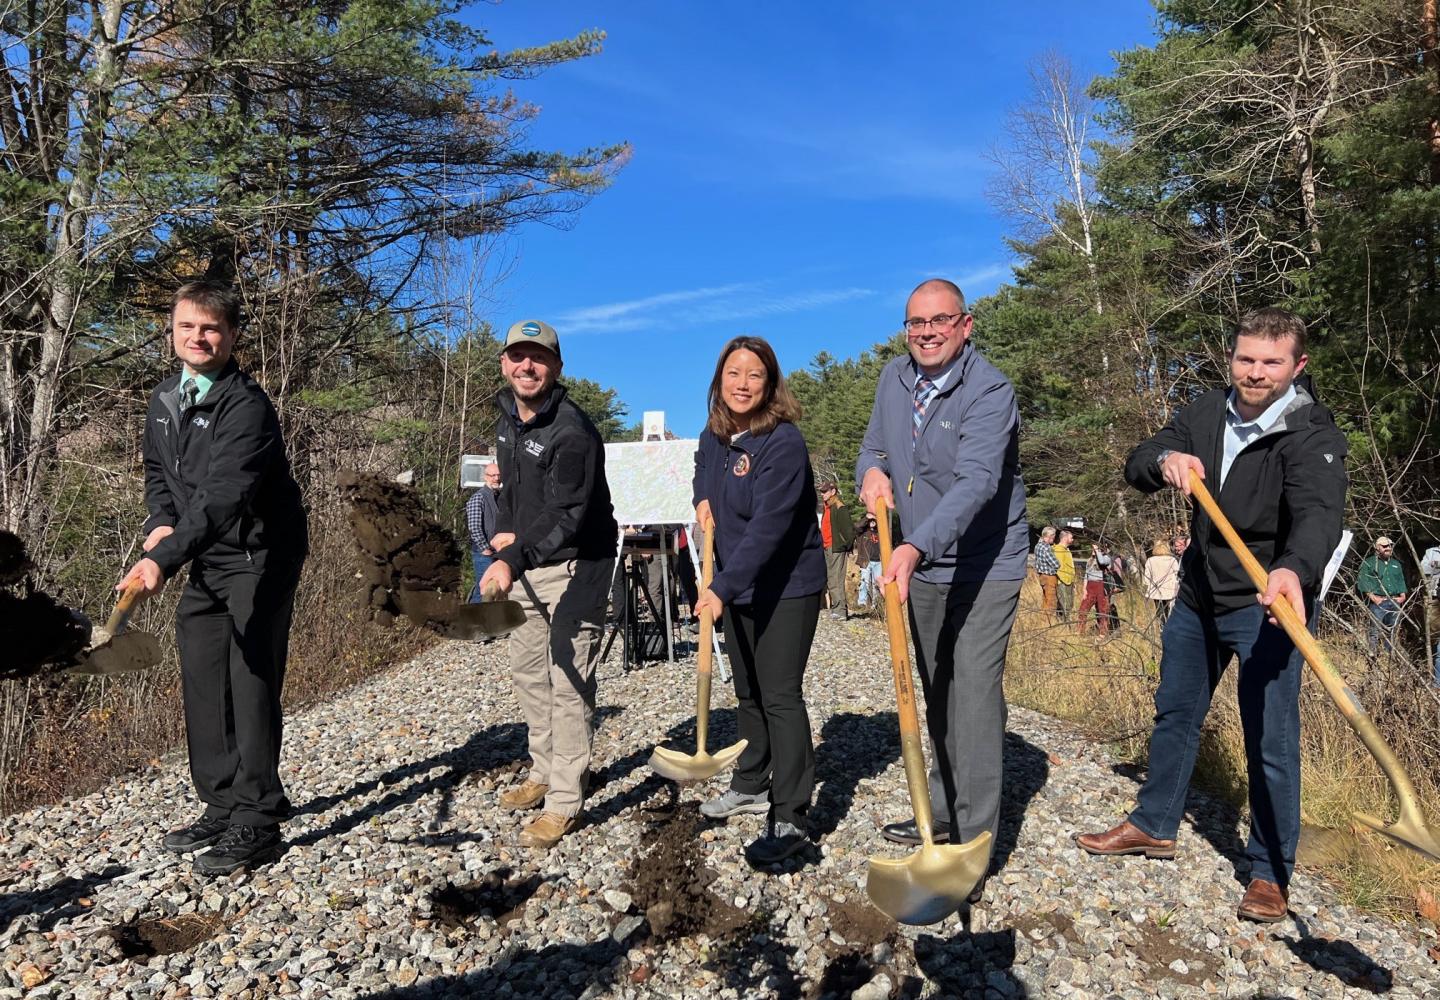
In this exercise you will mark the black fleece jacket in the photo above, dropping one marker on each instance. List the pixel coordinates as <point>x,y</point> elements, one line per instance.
<point>556,499</point>
<point>220,478</point>
<point>1285,495</point>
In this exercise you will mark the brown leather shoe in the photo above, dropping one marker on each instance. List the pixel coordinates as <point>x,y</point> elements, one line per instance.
<point>1127,838</point>
<point>547,829</point>
<point>527,795</point>
<point>1264,902</point>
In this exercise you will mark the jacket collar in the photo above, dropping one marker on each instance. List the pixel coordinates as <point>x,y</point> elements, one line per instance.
<point>749,442</point>
<point>546,413</point>
<point>958,370</point>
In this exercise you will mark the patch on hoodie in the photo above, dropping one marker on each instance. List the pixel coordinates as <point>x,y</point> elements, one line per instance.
<point>742,465</point>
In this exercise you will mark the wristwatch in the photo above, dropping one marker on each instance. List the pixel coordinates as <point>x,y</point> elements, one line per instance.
<point>1160,458</point>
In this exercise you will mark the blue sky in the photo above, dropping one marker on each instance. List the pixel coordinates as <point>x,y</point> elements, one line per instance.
<point>797,169</point>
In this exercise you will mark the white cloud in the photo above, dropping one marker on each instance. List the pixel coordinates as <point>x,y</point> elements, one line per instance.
<point>691,307</point>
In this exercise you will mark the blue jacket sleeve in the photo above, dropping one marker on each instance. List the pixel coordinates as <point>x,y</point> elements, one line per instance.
<point>986,430</point>
<point>698,489</point>
<point>779,480</point>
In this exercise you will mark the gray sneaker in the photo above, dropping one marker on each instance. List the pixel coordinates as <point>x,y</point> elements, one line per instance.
<point>733,802</point>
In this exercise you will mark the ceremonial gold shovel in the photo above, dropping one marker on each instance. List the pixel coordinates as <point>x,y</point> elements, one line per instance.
<point>112,650</point>
<point>1410,829</point>
<point>936,880</point>
<point>673,764</point>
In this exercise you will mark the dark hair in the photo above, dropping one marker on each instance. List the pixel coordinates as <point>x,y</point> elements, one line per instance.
<point>1271,323</point>
<point>777,406</point>
<point>211,296</point>
<point>942,283</point>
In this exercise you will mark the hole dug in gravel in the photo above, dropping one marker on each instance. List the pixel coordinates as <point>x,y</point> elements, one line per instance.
<point>495,896</point>
<point>671,886</point>
<point>166,936</point>
<point>870,938</point>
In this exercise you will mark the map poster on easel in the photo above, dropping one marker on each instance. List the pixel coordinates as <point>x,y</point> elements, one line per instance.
<point>650,481</point>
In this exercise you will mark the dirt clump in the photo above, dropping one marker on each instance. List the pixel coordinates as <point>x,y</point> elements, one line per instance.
<point>409,562</point>
<point>147,938</point>
<point>671,885</point>
<point>853,964</point>
<point>496,896</point>
<point>40,632</point>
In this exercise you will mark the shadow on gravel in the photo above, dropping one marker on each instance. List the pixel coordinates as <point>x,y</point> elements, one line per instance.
<point>1340,959</point>
<point>58,901</point>
<point>964,965</point>
<point>1027,768</point>
<point>853,747</point>
<point>555,972</point>
<point>489,748</point>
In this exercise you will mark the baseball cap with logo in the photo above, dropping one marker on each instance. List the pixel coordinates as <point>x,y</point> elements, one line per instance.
<point>533,331</point>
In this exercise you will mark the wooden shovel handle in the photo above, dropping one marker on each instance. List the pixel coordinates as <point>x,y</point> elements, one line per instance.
<point>707,620</point>
<point>129,598</point>
<point>910,751</point>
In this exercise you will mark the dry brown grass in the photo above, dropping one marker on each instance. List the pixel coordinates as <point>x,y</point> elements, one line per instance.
<point>1108,687</point>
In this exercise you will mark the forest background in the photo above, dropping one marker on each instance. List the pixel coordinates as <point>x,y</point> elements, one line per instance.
<point>349,165</point>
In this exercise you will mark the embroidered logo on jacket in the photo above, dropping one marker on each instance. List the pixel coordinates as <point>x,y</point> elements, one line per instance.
<point>742,465</point>
<point>534,447</point>
<point>200,422</point>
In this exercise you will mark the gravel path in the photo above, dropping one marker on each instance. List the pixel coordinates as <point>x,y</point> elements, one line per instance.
<point>403,877</point>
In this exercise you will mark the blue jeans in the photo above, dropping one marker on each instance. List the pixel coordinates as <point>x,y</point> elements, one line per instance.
<point>868,576</point>
<point>1196,652</point>
<point>1383,617</point>
<point>482,563</point>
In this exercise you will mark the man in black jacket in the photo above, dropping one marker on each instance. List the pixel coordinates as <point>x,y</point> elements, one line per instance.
<point>222,500</point>
<point>1276,464</point>
<point>557,539</point>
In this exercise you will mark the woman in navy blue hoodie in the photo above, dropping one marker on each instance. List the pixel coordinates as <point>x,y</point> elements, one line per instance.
<point>753,483</point>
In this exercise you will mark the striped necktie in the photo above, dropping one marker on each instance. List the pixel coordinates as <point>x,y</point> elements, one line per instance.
<point>188,392</point>
<point>924,390</point>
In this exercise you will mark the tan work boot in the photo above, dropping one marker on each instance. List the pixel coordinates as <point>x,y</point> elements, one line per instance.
<point>547,830</point>
<point>527,795</point>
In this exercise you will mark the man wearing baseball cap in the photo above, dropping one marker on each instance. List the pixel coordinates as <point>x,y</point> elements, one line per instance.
<point>556,540</point>
<point>1382,584</point>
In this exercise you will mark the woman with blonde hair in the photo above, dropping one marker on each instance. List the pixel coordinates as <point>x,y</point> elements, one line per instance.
<point>754,484</point>
<point>1160,580</point>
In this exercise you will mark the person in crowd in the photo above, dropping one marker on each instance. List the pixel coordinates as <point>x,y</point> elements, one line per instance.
<point>481,514</point>
<point>1095,596</point>
<point>1160,580</point>
<point>867,557</point>
<point>1114,587</point>
<point>754,487</point>
<point>1047,568</point>
<point>1064,575</point>
<point>1275,461</point>
<point>221,500</point>
<point>556,546</point>
<point>1182,542</point>
<point>1382,585</point>
<point>1430,571</point>
<point>943,449</point>
<point>837,531</point>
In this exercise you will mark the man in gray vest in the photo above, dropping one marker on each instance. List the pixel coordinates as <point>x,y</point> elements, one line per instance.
<point>943,448</point>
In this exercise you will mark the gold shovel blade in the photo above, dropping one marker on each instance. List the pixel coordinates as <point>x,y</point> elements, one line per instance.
<point>930,884</point>
<point>122,654</point>
<point>479,621</point>
<point>679,766</point>
<point>1406,831</point>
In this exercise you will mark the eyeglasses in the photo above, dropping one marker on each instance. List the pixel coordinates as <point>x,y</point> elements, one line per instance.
<point>915,324</point>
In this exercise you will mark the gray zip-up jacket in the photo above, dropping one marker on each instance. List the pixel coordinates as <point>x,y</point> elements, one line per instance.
<point>958,489</point>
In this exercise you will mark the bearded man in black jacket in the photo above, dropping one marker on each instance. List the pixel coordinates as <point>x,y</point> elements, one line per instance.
<point>222,500</point>
<point>1275,461</point>
<point>557,541</point>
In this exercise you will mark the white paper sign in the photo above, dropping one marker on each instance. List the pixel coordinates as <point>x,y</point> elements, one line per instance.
<point>650,481</point>
<point>1333,566</point>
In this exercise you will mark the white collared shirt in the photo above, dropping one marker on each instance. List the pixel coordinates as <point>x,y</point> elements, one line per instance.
<point>1239,432</point>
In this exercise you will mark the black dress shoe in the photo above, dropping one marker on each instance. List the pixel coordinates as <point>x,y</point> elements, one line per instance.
<point>907,833</point>
<point>240,847</point>
<point>201,833</point>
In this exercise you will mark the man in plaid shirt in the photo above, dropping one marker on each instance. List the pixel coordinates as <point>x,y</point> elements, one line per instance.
<point>481,515</point>
<point>1047,567</point>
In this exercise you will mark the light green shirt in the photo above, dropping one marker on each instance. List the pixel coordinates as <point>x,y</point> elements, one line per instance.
<point>202,383</point>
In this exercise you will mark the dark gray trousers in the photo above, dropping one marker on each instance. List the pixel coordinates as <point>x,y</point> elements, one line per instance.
<point>961,632</point>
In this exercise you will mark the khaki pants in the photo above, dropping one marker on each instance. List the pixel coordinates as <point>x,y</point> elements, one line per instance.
<point>1048,597</point>
<point>835,580</point>
<point>552,660</point>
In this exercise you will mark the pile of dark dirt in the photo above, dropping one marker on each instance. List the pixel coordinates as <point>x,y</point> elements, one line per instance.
<point>671,885</point>
<point>497,896</point>
<point>851,965</point>
<point>409,562</point>
<point>40,632</point>
<point>147,938</point>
